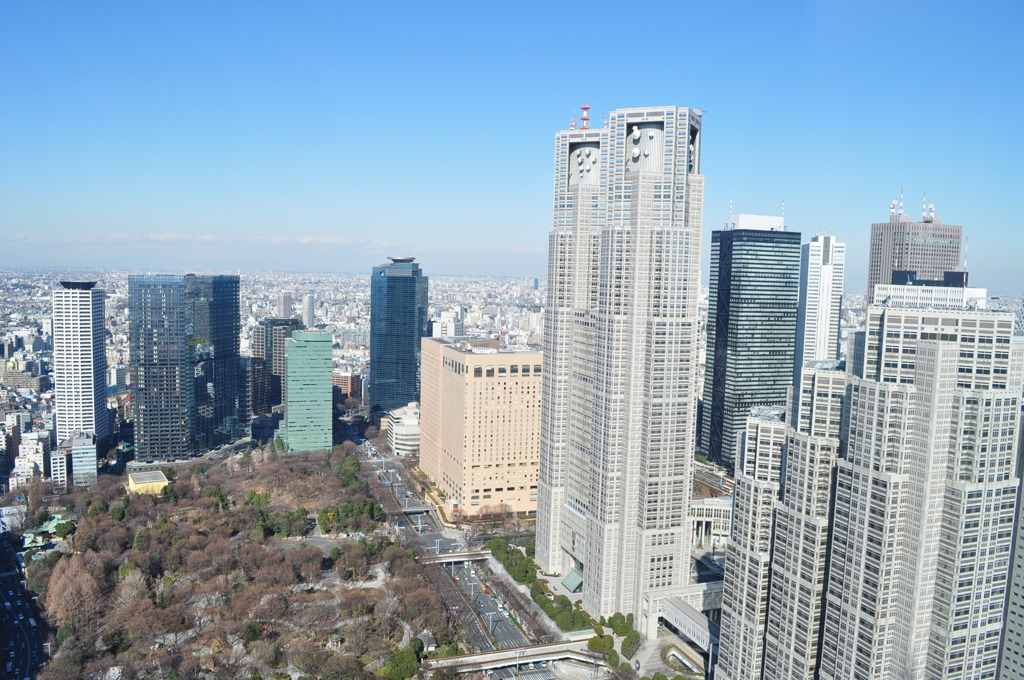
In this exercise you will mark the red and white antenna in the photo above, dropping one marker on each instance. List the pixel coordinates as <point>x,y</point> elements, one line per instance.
<point>901,200</point>
<point>585,118</point>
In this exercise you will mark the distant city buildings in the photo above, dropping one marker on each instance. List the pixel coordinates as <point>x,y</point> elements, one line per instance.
<point>479,431</point>
<point>80,361</point>
<point>398,319</point>
<point>751,328</point>
<point>308,420</point>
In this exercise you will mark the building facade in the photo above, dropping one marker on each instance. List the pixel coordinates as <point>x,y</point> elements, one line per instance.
<point>308,418</point>
<point>822,270</point>
<point>268,344</point>
<point>80,361</point>
<point>928,247</point>
<point>161,361</point>
<point>748,552</point>
<point>802,523</point>
<point>751,329</point>
<point>404,430</point>
<point>398,319</point>
<point>620,355</point>
<point>221,398</point>
<point>308,310</point>
<point>480,424</point>
<point>926,494</point>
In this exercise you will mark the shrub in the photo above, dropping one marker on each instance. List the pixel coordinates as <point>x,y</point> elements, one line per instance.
<point>630,644</point>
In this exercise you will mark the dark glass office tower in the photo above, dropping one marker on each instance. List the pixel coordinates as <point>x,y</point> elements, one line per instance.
<point>751,330</point>
<point>161,358</point>
<point>220,399</point>
<point>398,319</point>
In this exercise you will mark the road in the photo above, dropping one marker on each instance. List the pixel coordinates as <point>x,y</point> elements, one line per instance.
<point>22,642</point>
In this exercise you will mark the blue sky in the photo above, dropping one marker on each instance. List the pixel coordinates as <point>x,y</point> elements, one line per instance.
<point>326,135</point>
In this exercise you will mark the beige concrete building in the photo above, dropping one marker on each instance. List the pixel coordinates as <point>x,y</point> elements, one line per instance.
<point>480,424</point>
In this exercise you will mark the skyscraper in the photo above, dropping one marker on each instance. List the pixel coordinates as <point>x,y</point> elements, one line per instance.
<point>308,310</point>
<point>620,344</point>
<point>80,361</point>
<point>284,306</point>
<point>928,247</point>
<point>268,343</point>
<point>161,361</point>
<point>748,552</point>
<point>802,523</point>
<point>308,421</point>
<point>398,319</point>
<point>926,491</point>
<point>822,269</point>
<point>220,395</point>
<point>751,328</point>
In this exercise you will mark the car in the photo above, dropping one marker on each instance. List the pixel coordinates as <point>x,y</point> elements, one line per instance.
<point>21,617</point>
<point>456,577</point>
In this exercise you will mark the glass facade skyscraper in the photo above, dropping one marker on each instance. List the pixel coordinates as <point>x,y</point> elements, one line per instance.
<point>308,404</point>
<point>187,376</point>
<point>751,330</point>
<point>398,319</point>
<point>161,357</point>
<point>220,397</point>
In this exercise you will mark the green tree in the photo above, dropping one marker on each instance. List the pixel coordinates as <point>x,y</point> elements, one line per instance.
<point>64,529</point>
<point>401,665</point>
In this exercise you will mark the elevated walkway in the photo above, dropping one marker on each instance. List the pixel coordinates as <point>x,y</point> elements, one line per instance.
<point>447,558</point>
<point>504,658</point>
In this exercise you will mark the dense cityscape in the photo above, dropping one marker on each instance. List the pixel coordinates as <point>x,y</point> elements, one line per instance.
<point>619,471</point>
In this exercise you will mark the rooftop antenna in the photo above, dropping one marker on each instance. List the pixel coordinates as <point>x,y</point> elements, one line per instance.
<point>731,222</point>
<point>901,200</point>
<point>924,208</point>
<point>585,118</point>
<point>931,213</point>
<point>783,214</point>
<point>892,208</point>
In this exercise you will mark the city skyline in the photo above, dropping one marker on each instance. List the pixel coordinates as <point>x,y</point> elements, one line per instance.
<point>178,138</point>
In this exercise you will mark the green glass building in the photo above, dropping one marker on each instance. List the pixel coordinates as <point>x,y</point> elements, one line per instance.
<point>307,419</point>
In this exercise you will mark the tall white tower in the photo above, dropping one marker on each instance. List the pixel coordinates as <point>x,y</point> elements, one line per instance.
<point>309,310</point>
<point>822,268</point>
<point>80,361</point>
<point>620,354</point>
<point>926,491</point>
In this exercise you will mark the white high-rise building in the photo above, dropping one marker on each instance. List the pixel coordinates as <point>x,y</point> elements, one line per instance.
<point>822,268</point>
<point>748,552</point>
<point>80,361</point>
<point>309,310</point>
<point>620,352</point>
<point>926,492</point>
<point>802,528</point>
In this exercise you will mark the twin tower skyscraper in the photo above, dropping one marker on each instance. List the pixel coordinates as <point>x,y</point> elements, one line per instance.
<point>621,355</point>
